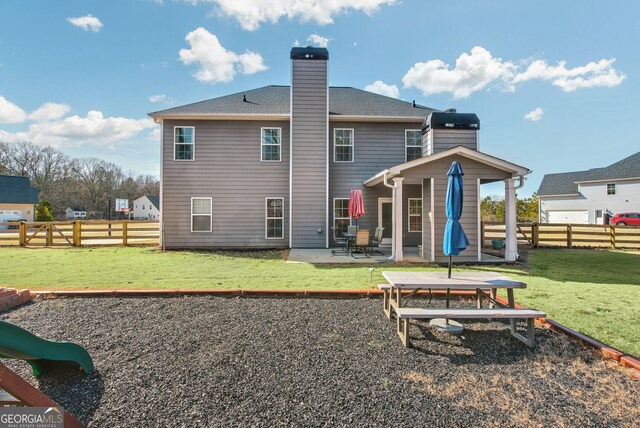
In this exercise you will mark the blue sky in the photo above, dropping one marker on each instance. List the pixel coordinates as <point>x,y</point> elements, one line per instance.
<point>85,85</point>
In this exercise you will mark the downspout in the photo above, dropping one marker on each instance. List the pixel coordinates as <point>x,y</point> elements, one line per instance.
<point>521,178</point>
<point>393,214</point>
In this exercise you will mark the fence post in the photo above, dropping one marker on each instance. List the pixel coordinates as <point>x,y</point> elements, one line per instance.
<point>77,233</point>
<point>534,234</point>
<point>482,225</point>
<point>22,233</point>
<point>612,233</point>
<point>569,236</point>
<point>49,240</point>
<point>125,238</point>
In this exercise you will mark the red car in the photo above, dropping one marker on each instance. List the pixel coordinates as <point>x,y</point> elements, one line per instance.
<point>623,219</point>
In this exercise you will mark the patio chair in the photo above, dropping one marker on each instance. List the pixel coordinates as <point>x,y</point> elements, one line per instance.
<point>363,241</point>
<point>339,240</point>
<point>377,240</point>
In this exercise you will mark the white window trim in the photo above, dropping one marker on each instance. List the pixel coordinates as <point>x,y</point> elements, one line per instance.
<point>353,145</point>
<point>279,145</point>
<point>409,215</point>
<point>210,214</point>
<point>607,189</point>
<point>333,212</point>
<point>267,218</point>
<point>406,140</point>
<point>193,144</point>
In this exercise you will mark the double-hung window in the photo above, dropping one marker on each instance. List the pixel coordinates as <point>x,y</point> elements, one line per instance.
<point>274,216</point>
<point>343,145</point>
<point>184,142</point>
<point>412,144</point>
<point>270,145</point>
<point>415,215</point>
<point>611,188</point>
<point>201,214</point>
<point>341,219</point>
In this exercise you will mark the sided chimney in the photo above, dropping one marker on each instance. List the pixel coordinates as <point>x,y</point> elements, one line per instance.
<point>444,130</point>
<point>309,148</point>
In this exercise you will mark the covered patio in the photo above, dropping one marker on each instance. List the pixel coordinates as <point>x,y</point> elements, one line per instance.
<point>426,178</point>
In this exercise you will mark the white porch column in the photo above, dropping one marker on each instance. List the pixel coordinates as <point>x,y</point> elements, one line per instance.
<point>397,219</point>
<point>511,238</point>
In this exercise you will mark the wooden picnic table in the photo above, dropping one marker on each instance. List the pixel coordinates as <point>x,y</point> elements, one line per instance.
<point>480,282</point>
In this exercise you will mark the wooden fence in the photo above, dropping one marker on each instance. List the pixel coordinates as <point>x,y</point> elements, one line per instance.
<point>567,235</point>
<point>79,233</point>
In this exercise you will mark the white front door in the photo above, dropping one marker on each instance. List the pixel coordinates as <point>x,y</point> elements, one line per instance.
<point>385,219</point>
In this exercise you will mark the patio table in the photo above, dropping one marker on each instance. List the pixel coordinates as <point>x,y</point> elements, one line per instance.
<point>480,282</point>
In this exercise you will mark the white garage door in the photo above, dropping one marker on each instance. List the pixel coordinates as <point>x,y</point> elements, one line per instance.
<point>573,217</point>
<point>9,215</point>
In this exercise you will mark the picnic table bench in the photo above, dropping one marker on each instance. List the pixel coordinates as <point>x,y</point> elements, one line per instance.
<point>480,282</point>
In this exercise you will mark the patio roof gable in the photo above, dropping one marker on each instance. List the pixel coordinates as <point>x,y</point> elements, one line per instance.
<point>495,162</point>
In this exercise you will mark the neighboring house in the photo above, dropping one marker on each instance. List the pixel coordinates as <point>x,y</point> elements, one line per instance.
<point>593,196</point>
<point>146,208</point>
<point>76,212</point>
<point>17,198</point>
<point>274,166</point>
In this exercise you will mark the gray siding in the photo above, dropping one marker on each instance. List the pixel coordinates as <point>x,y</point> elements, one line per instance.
<point>228,169</point>
<point>445,139</point>
<point>426,218</point>
<point>377,146</point>
<point>309,148</point>
<point>472,172</point>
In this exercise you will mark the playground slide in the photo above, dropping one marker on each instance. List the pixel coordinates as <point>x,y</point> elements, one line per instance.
<point>16,342</point>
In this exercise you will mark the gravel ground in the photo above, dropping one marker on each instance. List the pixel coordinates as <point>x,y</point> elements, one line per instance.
<point>204,361</point>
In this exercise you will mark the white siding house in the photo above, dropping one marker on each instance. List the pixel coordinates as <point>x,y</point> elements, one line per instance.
<point>146,208</point>
<point>591,196</point>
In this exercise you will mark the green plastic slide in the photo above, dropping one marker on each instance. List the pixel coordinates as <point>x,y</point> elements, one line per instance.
<point>16,342</point>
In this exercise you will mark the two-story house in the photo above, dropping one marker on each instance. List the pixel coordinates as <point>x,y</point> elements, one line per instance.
<point>273,167</point>
<point>592,196</point>
<point>146,207</point>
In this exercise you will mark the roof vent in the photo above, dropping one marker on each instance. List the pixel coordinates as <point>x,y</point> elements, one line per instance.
<point>244,99</point>
<point>414,103</point>
<point>450,110</point>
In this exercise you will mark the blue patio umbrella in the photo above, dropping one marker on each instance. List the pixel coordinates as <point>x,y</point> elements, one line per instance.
<point>455,240</point>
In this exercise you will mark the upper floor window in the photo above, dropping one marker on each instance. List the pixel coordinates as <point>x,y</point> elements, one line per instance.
<point>184,140</point>
<point>412,144</point>
<point>343,145</point>
<point>611,188</point>
<point>270,144</point>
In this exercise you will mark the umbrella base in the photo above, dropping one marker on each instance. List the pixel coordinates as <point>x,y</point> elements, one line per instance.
<point>441,324</point>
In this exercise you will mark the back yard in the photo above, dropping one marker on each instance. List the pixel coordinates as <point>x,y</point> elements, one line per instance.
<point>594,292</point>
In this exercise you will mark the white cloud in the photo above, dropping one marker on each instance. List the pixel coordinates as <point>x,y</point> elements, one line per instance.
<point>534,115</point>
<point>318,40</point>
<point>480,69</point>
<point>472,73</point>
<point>10,113</point>
<point>379,87</point>
<point>160,98</point>
<point>87,23</point>
<point>593,74</point>
<point>251,13</point>
<point>49,111</point>
<point>93,129</point>
<point>217,64</point>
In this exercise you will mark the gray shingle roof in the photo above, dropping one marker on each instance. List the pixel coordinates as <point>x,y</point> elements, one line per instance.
<point>17,190</point>
<point>566,183</point>
<point>155,200</point>
<point>275,100</point>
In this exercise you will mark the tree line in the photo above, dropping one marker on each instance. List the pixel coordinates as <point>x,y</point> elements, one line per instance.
<point>62,181</point>
<point>493,209</point>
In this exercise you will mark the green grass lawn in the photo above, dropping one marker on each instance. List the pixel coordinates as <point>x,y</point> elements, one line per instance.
<point>594,292</point>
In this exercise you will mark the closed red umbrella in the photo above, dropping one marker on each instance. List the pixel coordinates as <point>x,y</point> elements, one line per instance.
<point>356,205</point>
